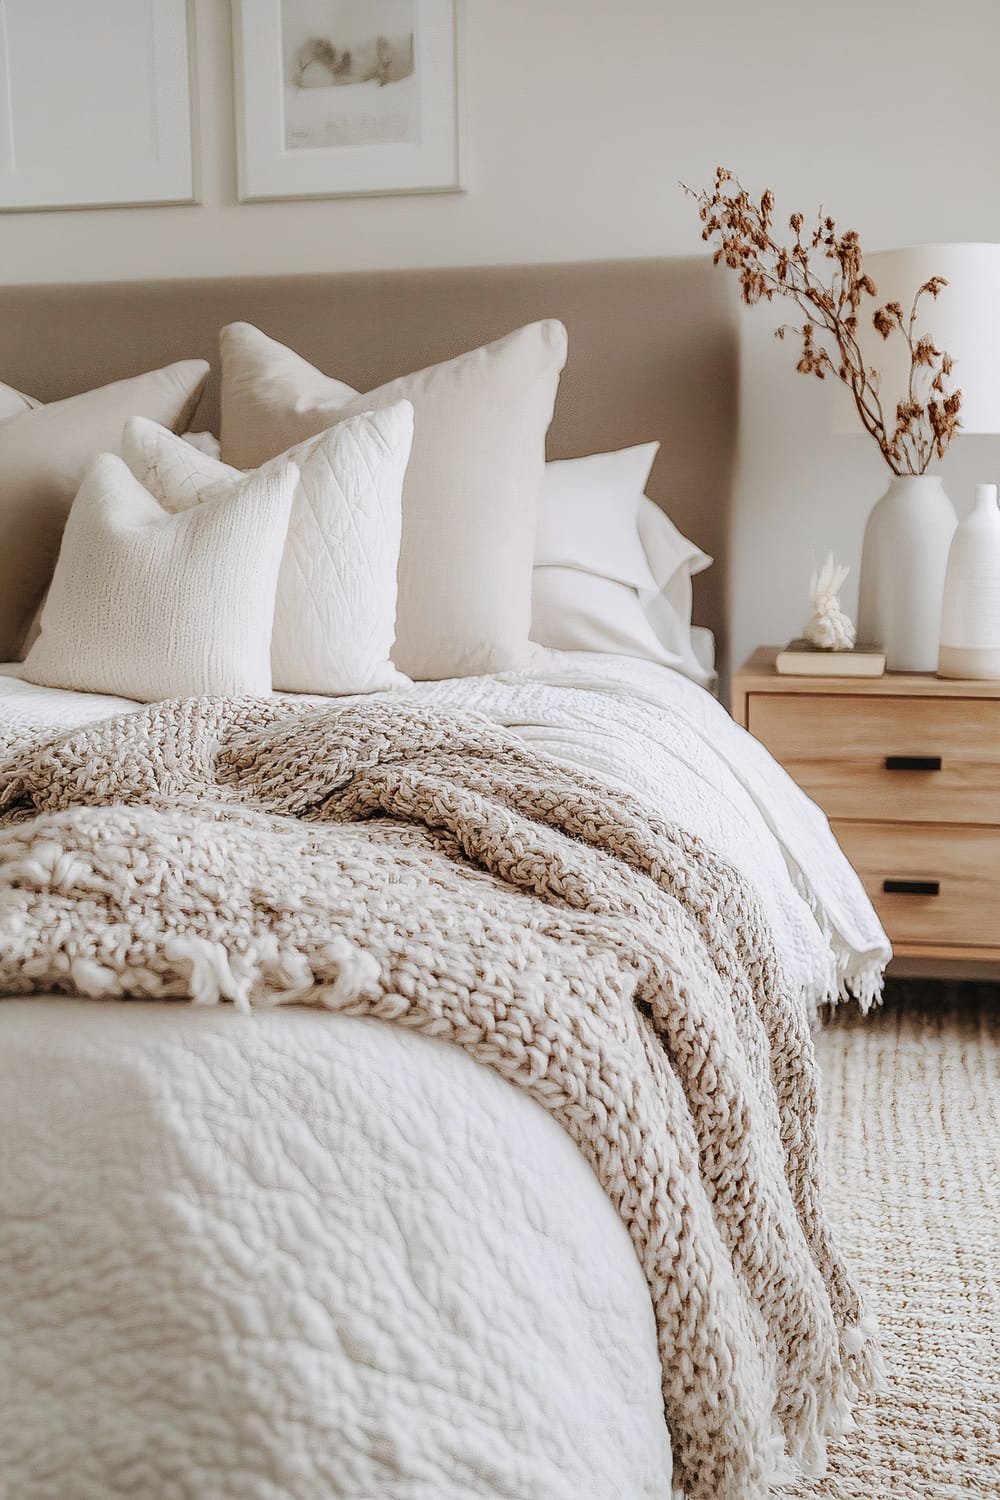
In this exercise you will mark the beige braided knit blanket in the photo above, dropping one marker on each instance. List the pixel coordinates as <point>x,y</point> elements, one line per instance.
<point>425,867</point>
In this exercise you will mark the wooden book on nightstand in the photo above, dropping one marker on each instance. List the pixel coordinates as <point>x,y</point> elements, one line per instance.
<point>907,769</point>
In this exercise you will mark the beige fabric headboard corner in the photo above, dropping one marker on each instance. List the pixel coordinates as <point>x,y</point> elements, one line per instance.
<point>653,354</point>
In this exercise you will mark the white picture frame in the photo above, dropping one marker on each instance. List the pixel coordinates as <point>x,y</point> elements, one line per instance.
<point>330,104</point>
<point>95,104</point>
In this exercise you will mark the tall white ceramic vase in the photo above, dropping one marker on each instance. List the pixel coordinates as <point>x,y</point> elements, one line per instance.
<point>970,619</point>
<point>903,566</point>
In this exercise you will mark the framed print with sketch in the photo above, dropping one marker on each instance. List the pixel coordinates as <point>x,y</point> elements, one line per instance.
<point>344,97</point>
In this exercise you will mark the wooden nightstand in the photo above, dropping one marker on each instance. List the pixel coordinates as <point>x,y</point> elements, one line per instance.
<point>907,768</point>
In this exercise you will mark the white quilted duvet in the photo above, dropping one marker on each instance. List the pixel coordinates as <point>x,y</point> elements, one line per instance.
<point>297,1256</point>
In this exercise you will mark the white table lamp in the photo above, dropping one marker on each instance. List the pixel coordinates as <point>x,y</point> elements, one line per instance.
<point>910,530</point>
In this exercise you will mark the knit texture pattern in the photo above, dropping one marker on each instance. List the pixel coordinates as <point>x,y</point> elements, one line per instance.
<point>424,866</point>
<point>150,605</point>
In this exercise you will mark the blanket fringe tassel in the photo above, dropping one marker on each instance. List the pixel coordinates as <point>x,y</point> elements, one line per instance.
<point>264,977</point>
<point>854,976</point>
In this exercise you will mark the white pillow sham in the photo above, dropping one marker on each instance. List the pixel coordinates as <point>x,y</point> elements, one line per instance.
<point>673,562</point>
<point>148,605</point>
<point>470,496</point>
<point>588,516</point>
<point>335,610</point>
<point>612,573</point>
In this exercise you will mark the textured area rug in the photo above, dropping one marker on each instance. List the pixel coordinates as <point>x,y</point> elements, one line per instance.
<point>912,1125</point>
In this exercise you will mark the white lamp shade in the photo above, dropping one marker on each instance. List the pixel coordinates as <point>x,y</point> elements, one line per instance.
<point>963,321</point>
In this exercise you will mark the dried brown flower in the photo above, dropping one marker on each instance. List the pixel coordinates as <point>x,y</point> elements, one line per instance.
<point>882,322</point>
<point>927,419</point>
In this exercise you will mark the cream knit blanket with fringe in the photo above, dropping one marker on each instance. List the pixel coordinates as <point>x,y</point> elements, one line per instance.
<point>424,866</point>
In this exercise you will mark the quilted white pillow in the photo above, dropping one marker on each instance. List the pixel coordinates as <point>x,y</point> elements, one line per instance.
<point>335,611</point>
<point>147,605</point>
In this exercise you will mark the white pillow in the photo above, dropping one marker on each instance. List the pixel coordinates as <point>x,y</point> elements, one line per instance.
<point>673,562</point>
<point>13,402</point>
<point>578,611</point>
<point>335,612</point>
<point>612,573</point>
<point>470,497</point>
<point>205,442</point>
<point>146,605</point>
<point>45,451</point>
<point>589,512</point>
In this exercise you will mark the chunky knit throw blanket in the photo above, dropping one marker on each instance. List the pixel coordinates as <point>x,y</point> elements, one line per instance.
<point>423,866</point>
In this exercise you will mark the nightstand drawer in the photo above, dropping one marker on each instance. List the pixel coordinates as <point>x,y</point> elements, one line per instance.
<point>910,759</point>
<point>931,886</point>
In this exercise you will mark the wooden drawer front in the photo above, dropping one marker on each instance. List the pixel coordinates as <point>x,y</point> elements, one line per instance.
<point>837,748</point>
<point>964,863</point>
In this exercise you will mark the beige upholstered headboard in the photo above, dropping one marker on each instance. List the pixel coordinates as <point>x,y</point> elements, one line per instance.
<point>652,354</point>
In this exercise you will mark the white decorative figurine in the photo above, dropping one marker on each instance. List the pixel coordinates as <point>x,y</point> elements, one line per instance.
<point>829,629</point>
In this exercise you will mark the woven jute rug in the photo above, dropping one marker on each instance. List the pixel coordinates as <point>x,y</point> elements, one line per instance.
<point>912,1124</point>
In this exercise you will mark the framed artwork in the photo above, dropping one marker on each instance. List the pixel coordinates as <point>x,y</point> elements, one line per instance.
<point>95,104</point>
<point>345,97</point>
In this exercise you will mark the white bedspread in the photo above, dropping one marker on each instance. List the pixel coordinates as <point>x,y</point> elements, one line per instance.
<point>295,1256</point>
<point>303,1256</point>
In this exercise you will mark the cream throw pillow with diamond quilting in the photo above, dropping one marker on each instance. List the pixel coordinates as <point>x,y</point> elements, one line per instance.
<point>149,605</point>
<point>335,612</point>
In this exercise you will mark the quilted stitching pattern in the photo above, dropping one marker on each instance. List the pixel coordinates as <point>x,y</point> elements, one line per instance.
<point>364,1266</point>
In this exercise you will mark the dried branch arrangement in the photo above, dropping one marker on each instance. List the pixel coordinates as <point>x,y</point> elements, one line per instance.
<point>741,229</point>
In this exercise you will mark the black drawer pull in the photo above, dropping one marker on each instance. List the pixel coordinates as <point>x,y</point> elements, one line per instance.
<point>912,887</point>
<point>913,762</point>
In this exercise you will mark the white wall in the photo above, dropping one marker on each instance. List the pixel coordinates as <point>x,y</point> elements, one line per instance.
<point>581,117</point>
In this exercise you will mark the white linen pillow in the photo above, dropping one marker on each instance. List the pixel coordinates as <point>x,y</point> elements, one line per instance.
<point>335,611</point>
<point>612,573</point>
<point>673,561</point>
<point>471,491</point>
<point>148,605</point>
<point>589,511</point>
<point>578,611</point>
<point>573,610</point>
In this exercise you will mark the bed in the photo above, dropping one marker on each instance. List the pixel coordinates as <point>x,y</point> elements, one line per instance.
<point>317,1248</point>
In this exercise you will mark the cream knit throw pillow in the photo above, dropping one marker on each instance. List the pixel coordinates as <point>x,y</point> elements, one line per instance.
<point>147,605</point>
<point>45,450</point>
<point>335,611</point>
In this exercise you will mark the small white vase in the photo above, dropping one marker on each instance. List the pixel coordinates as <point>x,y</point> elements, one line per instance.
<point>903,564</point>
<point>970,617</point>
